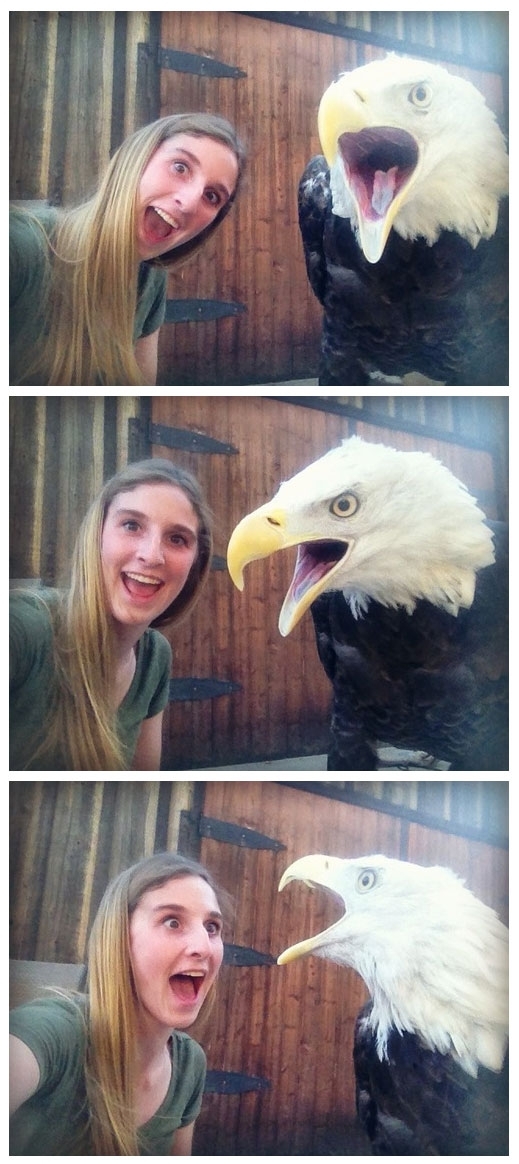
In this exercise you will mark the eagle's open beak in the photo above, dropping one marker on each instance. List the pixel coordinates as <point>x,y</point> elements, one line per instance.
<point>264,531</point>
<point>379,163</point>
<point>313,870</point>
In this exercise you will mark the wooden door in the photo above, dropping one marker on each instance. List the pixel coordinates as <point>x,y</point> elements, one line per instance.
<point>240,692</point>
<point>243,311</point>
<point>280,1038</point>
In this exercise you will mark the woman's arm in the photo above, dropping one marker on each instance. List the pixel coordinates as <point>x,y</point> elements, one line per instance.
<point>24,1073</point>
<point>182,1141</point>
<point>149,745</point>
<point>147,356</point>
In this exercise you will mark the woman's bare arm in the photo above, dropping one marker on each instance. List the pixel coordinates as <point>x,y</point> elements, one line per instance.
<point>24,1073</point>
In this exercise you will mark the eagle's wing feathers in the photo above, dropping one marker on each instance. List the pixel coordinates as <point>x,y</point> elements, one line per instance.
<point>401,1099</point>
<point>314,200</point>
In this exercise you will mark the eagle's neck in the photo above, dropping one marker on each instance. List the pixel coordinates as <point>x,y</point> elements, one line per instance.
<point>454,999</point>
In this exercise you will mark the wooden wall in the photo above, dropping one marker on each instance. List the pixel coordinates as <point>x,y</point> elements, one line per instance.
<point>62,449</point>
<point>268,697</point>
<point>67,841</point>
<point>279,1041</point>
<point>78,85</point>
<point>81,81</point>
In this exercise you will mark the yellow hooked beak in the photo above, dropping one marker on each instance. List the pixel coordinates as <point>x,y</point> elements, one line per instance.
<point>257,535</point>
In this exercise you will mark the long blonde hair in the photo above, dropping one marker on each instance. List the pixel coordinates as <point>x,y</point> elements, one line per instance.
<point>81,727</point>
<point>112,1001</point>
<point>90,286</point>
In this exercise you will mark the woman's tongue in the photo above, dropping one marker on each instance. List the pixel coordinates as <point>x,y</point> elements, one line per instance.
<point>185,986</point>
<point>139,589</point>
<point>156,227</point>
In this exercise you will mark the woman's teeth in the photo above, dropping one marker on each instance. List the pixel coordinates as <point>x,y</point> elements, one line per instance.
<point>145,579</point>
<point>170,221</point>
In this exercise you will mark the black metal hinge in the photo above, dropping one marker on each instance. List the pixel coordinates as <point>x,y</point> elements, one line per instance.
<point>184,690</point>
<point>201,66</point>
<point>233,1083</point>
<point>200,310</point>
<point>245,956</point>
<point>233,834</point>
<point>186,439</point>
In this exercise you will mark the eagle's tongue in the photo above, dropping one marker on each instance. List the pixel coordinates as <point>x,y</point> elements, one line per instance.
<point>384,185</point>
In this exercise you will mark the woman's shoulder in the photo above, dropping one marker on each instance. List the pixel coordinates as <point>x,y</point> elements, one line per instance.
<point>156,647</point>
<point>29,227</point>
<point>32,609</point>
<point>58,1018</point>
<point>186,1053</point>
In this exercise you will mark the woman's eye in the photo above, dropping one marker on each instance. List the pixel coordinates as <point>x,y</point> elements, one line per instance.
<point>171,922</point>
<point>131,525</point>
<point>213,928</point>
<point>180,167</point>
<point>212,197</point>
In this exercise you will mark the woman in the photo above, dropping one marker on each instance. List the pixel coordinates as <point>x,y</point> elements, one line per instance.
<point>112,1073</point>
<point>89,671</point>
<point>88,285</point>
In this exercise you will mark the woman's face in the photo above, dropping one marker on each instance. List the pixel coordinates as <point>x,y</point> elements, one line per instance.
<point>148,546</point>
<point>176,950</point>
<point>184,186</point>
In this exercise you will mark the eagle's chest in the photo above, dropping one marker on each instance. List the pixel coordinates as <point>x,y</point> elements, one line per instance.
<point>413,284</point>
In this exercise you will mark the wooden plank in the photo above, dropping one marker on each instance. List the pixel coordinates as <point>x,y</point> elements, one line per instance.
<point>32,47</point>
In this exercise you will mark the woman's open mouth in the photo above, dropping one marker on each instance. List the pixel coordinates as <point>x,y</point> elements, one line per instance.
<point>158,225</point>
<point>187,986</point>
<point>141,586</point>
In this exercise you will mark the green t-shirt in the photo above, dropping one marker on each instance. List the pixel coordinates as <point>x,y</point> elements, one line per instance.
<point>32,674</point>
<point>48,1122</point>
<point>28,251</point>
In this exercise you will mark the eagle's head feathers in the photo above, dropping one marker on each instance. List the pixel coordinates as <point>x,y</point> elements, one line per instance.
<point>434,957</point>
<point>374,522</point>
<point>412,147</point>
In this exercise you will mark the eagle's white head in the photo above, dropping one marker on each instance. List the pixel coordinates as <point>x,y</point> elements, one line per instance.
<point>374,522</point>
<point>415,148</point>
<point>434,957</point>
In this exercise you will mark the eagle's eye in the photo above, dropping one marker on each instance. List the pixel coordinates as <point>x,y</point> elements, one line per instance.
<point>421,95</point>
<point>344,505</point>
<point>366,880</point>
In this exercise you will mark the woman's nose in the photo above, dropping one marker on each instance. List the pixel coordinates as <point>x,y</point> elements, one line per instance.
<point>188,196</point>
<point>151,550</point>
<point>198,941</point>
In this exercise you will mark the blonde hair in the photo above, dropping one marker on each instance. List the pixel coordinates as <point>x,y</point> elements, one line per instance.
<point>82,722</point>
<point>112,1000</point>
<point>91,278</point>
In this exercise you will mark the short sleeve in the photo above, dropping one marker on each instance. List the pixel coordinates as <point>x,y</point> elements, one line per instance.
<point>151,306</point>
<point>197,1072</point>
<point>162,659</point>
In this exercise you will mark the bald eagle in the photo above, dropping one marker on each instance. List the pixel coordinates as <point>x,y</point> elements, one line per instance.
<point>431,1045</point>
<point>407,584</point>
<point>404,228</point>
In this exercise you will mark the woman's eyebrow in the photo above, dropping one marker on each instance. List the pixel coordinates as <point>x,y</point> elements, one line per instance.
<point>174,526</point>
<point>182,909</point>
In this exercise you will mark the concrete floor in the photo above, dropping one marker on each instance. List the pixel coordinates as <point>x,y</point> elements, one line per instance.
<point>298,764</point>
